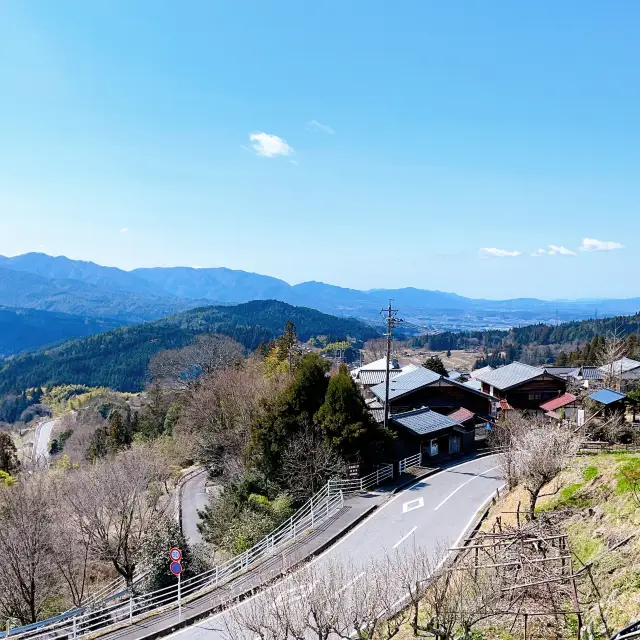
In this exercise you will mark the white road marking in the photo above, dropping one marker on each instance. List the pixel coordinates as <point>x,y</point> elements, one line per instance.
<point>349,584</point>
<point>453,493</point>
<point>412,504</point>
<point>366,521</point>
<point>397,544</point>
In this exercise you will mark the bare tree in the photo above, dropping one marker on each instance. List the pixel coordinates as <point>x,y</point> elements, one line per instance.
<point>502,437</point>
<point>614,349</point>
<point>307,463</point>
<point>182,368</point>
<point>375,349</point>
<point>116,503</point>
<point>27,572</point>
<point>217,415</point>
<point>540,452</point>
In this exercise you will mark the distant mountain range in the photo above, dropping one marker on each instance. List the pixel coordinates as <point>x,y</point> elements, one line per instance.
<point>39,281</point>
<point>119,358</point>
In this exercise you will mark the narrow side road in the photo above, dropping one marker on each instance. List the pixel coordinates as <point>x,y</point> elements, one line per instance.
<point>40,450</point>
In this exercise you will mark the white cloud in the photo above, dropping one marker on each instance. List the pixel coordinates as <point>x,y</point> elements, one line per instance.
<point>499,253</point>
<point>318,126</point>
<point>539,253</point>
<point>589,244</point>
<point>124,230</point>
<point>197,266</point>
<point>265,144</point>
<point>563,251</point>
<point>293,161</point>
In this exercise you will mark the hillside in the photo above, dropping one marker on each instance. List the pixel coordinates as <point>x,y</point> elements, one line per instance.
<point>535,343</point>
<point>27,329</point>
<point>598,507</point>
<point>118,359</point>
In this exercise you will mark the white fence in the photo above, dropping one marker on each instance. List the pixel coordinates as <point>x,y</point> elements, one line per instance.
<point>382,473</point>
<point>411,461</point>
<point>126,610</point>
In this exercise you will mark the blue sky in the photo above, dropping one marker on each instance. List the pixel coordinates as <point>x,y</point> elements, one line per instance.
<point>394,144</point>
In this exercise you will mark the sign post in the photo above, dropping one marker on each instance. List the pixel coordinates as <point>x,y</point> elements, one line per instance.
<point>176,568</point>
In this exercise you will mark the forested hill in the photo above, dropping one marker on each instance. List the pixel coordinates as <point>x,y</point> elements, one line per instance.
<point>119,358</point>
<point>25,329</point>
<point>534,344</point>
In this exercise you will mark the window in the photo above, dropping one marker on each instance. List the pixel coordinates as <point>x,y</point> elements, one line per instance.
<point>535,396</point>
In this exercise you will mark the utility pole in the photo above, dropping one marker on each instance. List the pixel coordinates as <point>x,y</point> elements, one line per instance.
<point>392,321</point>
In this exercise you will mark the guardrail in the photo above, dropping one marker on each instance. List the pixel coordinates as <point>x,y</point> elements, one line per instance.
<point>411,461</point>
<point>382,473</point>
<point>86,621</point>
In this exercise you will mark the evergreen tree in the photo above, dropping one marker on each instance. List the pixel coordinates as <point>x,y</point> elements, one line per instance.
<point>435,364</point>
<point>345,422</point>
<point>289,412</point>
<point>9,462</point>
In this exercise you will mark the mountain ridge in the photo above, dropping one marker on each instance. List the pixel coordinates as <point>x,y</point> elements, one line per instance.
<point>149,293</point>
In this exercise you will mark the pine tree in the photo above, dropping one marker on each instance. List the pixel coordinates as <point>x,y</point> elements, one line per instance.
<point>9,462</point>
<point>345,422</point>
<point>435,364</point>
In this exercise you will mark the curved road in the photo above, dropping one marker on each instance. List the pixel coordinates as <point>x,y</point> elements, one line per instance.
<point>435,511</point>
<point>193,498</point>
<point>40,450</point>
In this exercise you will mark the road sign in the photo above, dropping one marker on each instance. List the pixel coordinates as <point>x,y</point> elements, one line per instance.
<point>175,568</point>
<point>176,554</point>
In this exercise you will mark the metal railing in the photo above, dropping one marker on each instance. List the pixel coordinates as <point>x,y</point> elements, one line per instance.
<point>124,611</point>
<point>382,473</point>
<point>411,461</point>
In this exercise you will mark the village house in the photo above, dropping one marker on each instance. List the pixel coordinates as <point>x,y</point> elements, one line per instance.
<point>375,372</point>
<point>424,388</point>
<point>564,407</point>
<point>430,433</point>
<point>521,386</point>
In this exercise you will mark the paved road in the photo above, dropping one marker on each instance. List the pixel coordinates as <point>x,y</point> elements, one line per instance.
<point>40,451</point>
<point>194,498</point>
<point>434,511</point>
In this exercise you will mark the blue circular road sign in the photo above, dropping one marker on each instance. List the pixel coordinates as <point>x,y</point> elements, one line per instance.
<point>176,554</point>
<point>175,568</point>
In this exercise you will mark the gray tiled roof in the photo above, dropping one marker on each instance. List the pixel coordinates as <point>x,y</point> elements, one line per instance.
<point>473,384</point>
<point>423,421</point>
<point>510,375</point>
<point>402,384</point>
<point>454,375</point>
<point>369,378</point>
<point>475,373</point>
<point>591,373</point>
<point>620,366</point>
<point>563,372</point>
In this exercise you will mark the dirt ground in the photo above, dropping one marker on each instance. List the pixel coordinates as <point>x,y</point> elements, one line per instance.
<point>459,360</point>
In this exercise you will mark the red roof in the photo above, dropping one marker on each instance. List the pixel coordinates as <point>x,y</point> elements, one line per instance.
<point>462,415</point>
<point>505,406</point>
<point>557,403</point>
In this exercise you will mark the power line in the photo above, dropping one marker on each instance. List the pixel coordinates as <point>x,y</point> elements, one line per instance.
<point>392,321</point>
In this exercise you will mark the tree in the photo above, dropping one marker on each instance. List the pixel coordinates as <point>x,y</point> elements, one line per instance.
<point>117,503</point>
<point>217,415</point>
<point>540,453</point>
<point>182,368</point>
<point>288,413</point>
<point>27,572</point>
<point>155,552</point>
<point>435,364</point>
<point>9,461</point>
<point>345,422</point>
<point>308,462</point>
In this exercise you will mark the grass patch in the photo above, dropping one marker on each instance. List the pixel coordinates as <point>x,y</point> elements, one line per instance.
<point>583,546</point>
<point>569,497</point>
<point>631,465</point>
<point>589,473</point>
